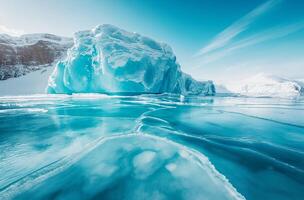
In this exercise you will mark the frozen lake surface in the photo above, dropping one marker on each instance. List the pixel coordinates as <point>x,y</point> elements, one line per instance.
<point>151,147</point>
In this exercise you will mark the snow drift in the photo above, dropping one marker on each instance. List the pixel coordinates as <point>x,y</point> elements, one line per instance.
<point>32,83</point>
<point>111,60</point>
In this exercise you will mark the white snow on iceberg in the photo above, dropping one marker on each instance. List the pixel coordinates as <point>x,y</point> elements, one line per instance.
<point>268,85</point>
<point>111,60</point>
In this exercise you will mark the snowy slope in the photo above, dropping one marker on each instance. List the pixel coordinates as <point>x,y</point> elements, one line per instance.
<point>32,83</point>
<point>267,85</point>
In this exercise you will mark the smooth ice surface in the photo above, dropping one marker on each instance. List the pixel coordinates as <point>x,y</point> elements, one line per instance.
<point>111,60</point>
<point>90,146</point>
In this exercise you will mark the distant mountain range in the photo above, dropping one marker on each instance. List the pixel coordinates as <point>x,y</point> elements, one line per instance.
<point>31,52</point>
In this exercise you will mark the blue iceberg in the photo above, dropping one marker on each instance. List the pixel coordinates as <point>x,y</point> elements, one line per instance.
<point>111,60</point>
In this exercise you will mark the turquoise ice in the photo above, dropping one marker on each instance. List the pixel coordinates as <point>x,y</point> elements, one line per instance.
<point>88,146</point>
<point>111,60</point>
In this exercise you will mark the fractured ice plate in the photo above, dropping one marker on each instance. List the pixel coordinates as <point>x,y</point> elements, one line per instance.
<point>133,166</point>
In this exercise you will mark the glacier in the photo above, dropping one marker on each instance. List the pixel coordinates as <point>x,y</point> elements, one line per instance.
<point>110,60</point>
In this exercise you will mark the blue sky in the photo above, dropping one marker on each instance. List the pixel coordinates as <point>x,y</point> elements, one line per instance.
<point>221,40</point>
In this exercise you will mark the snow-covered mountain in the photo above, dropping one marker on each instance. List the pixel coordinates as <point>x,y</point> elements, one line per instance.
<point>31,52</point>
<point>267,85</point>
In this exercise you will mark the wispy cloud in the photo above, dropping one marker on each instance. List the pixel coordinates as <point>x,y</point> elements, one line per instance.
<point>270,34</point>
<point>237,27</point>
<point>13,32</point>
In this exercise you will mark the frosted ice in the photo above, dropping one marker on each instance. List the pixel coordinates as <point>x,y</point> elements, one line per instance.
<point>143,159</point>
<point>111,60</point>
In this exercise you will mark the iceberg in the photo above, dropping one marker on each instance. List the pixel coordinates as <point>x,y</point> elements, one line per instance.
<point>268,85</point>
<point>110,60</point>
